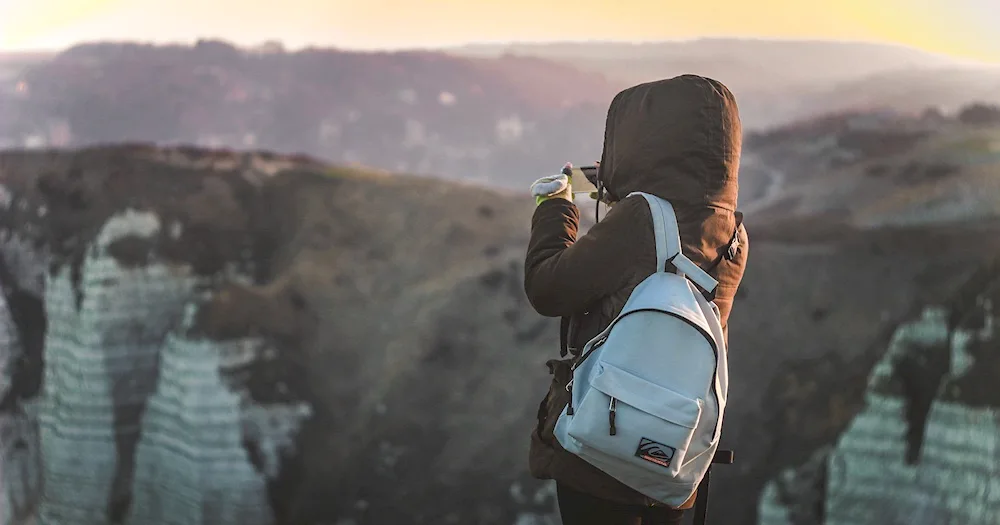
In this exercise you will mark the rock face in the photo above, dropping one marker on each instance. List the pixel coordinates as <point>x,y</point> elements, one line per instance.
<point>924,449</point>
<point>123,409</point>
<point>815,314</point>
<point>207,338</point>
<point>191,338</point>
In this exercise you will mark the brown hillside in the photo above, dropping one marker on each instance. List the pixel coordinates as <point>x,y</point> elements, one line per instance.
<point>241,338</point>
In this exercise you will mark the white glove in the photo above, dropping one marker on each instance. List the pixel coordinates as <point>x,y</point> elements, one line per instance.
<point>553,187</point>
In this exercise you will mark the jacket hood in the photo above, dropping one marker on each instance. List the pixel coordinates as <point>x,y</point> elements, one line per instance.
<point>678,139</point>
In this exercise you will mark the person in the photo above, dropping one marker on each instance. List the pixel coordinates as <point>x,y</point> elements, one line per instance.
<point>678,139</point>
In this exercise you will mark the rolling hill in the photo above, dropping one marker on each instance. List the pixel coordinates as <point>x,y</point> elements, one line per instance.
<point>878,169</point>
<point>506,120</point>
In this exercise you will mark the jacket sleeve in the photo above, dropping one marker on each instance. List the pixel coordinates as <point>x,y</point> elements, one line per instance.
<point>563,274</point>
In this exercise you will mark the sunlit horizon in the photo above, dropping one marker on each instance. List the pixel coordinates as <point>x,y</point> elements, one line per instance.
<point>964,29</point>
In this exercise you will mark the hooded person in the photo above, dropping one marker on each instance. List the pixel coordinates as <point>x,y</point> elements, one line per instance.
<point>678,139</point>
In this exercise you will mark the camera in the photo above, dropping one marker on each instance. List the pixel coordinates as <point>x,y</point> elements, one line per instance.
<point>584,179</point>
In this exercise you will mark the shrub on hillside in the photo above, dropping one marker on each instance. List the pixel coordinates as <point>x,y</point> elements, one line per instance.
<point>979,114</point>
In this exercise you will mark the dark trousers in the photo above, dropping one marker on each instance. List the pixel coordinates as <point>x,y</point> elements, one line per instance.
<point>578,508</point>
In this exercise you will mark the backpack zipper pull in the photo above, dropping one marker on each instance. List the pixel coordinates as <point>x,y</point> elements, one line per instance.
<point>569,405</point>
<point>611,417</point>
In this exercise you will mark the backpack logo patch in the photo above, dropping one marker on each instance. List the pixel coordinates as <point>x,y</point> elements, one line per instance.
<point>654,452</point>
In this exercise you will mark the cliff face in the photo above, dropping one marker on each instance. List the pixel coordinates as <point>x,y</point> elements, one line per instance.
<point>815,314</point>
<point>923,450</point>
<point>192,338</point>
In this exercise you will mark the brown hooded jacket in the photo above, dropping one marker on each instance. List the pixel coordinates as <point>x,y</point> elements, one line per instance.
<point>678,139</point>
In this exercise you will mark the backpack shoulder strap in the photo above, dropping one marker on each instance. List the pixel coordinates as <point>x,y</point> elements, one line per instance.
<point>669,257</point>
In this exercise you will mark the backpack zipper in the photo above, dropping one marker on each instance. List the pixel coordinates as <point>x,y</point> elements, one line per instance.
<point>595,346</point>
<point>569,404</point>
<point>602,340</point>
<point>611,417</point>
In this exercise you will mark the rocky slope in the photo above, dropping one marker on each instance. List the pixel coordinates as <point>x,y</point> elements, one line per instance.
<point>197,337</point>
<point>876,169</point>
<point>851,393</point>
<point>923,450</point>
<point>192,339</point>
<point>817,304</point>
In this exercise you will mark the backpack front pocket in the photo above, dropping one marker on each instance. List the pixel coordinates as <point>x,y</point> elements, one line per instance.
<point>629,418</point>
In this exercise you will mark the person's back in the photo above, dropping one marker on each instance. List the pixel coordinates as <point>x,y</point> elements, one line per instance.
<point>677,139</point>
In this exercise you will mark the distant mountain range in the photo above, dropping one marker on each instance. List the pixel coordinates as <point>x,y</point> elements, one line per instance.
<point>501,115</point>
<point>781,80</point>
<point>790,62</point>
<point>416,112</point>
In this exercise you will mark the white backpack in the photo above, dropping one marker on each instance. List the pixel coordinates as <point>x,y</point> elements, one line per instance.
<point>649,392</point>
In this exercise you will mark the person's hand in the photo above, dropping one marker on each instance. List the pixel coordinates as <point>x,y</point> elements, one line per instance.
<point>554,186</point>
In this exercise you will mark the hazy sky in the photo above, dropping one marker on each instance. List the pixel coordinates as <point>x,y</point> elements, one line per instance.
<point>966,28</point>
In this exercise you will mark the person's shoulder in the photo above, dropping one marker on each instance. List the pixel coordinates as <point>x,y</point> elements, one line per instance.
<point>632,206</point>
<point>628,219</point>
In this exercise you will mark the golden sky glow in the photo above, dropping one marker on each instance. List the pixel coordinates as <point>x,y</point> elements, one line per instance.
<point>964,28</point>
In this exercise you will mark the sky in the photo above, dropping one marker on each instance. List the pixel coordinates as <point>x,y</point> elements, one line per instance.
<point>962,28</point>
